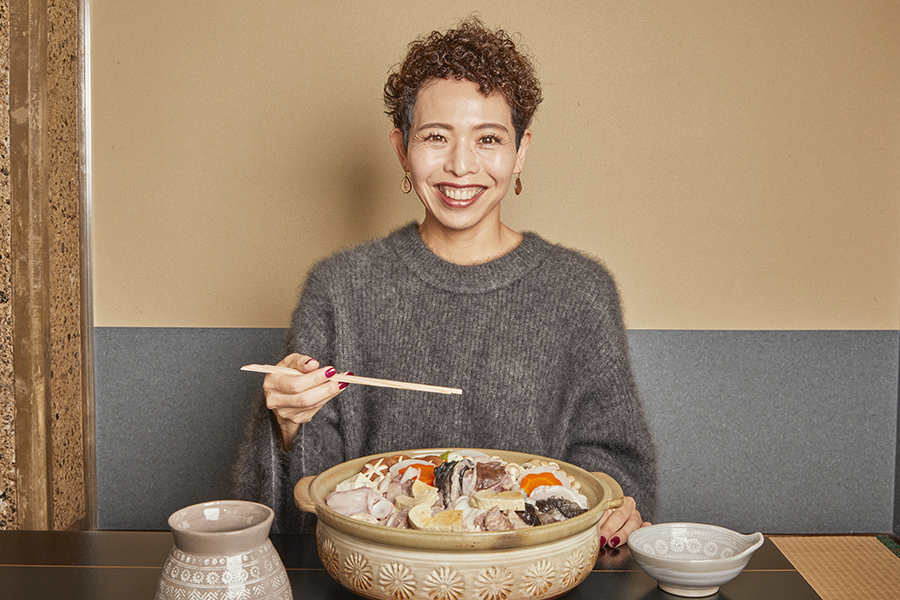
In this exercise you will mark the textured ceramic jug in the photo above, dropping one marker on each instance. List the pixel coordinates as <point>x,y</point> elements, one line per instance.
<point>222,552</point>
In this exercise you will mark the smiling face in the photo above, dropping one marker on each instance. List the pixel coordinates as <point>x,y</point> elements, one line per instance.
<point>461,157</point>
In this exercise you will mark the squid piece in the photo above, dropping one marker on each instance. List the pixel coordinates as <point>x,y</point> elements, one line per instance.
<point>363,500</point>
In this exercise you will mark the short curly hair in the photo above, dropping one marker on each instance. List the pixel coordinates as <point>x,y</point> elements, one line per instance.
<point>472,52</point>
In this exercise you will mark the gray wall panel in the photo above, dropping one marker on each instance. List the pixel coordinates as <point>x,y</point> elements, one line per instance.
<point>785,431</point>
<point>170,408</point>
<point>774,430</point>
<point>897,464</point>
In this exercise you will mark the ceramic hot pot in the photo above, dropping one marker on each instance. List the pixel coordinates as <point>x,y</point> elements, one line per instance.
<point>387,563</point>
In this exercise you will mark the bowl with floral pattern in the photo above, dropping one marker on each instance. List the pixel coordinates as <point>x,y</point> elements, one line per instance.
<point>692,559</point>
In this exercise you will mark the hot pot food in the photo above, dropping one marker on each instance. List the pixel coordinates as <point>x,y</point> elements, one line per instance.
<point>427,524</point>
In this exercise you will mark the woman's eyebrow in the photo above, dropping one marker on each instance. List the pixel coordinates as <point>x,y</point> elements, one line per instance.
<point>492,126</point>
<point>434,126</point>
<point>479,127</point>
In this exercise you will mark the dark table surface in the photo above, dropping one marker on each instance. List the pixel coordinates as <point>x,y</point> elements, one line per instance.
<point>101,565</point>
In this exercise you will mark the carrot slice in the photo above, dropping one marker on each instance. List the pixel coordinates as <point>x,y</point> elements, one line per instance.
<point>426,472</point>
<point>532,480</point>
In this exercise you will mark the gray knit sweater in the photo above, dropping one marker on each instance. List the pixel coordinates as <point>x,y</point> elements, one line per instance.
<point>534,338</point>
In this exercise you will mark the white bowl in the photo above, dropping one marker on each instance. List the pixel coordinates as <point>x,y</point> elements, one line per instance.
<point>692,559</point>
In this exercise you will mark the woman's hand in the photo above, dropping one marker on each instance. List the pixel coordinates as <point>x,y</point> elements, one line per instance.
<point>296,398</point>
<point>617,523</point>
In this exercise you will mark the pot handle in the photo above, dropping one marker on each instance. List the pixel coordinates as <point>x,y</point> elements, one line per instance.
<point>301,495</point>
<point>613,496</point>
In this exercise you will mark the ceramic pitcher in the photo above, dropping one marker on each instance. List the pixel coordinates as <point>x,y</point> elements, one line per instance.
<point>222,551</point>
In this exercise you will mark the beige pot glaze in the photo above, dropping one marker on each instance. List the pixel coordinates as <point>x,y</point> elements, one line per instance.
<point>402,564</point>
<point>222,552</point>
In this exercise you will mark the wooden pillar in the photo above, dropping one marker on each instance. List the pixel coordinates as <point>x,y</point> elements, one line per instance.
<point>47,298</point>
<point>30,260</point>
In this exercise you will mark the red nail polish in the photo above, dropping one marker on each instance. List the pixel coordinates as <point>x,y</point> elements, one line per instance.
<point>309,361</point>
<point>344,384</point>
<point>614,542</point>
<point>330,372</point>
<point>602,541</point>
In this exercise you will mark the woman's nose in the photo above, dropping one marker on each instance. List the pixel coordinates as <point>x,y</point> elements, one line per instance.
<point>462,160</point>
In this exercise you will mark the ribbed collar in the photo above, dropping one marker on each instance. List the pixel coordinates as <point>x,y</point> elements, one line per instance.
<point>467,279</point>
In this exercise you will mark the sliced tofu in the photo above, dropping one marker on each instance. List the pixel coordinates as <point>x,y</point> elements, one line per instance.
<point>422,489</point>
<point>420,516</point>
<point>504,500</point>
<point>447,520</point>
<point>428,498</point>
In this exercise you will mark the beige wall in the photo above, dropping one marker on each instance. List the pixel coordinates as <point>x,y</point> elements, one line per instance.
<point>735,164</point>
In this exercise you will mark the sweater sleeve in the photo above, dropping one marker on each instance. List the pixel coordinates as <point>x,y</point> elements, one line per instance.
<point>260,474</point>
<point>607,429</point>
<point>265,472</point>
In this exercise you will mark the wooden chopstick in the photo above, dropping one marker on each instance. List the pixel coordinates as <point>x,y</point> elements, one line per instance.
<point>402,385</point>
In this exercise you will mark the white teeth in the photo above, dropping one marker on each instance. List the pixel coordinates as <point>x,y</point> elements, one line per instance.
<point>460,193</point>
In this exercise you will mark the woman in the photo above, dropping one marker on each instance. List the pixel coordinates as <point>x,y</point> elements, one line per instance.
<point>532,332</point>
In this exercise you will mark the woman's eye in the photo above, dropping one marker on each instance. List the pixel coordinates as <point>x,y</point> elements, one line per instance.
<point>490,139</point>
<point>434,137</point>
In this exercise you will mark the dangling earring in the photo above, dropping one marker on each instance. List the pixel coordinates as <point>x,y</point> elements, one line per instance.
<point>518,185</point>
<point>406,184</point>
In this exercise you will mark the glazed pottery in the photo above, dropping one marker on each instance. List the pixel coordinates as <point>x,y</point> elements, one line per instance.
<point>222,552</point>
<point>692,559</point>
<point>387,563</point>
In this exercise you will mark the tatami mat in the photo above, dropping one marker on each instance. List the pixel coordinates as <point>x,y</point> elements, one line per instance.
<point>844,567</point>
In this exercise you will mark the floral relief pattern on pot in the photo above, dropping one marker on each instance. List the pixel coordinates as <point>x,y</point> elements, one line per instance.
<point>444,584</point>
<point>538,578</point>
<point>573,569</point>
<point>358,572</point>
<point>594,552</point>
<point>545,572</point>
<point>397,581</point>
<point>328,555</point>
<point>494,583</point>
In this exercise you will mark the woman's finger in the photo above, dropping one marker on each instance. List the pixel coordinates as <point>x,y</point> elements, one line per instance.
<point>300,362</point>
<point>621,522</point>
<point>301,391</point>
<point>621,536</point>
<point>295,398</point>
<point>285,384</point>
<point>292,409</point>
